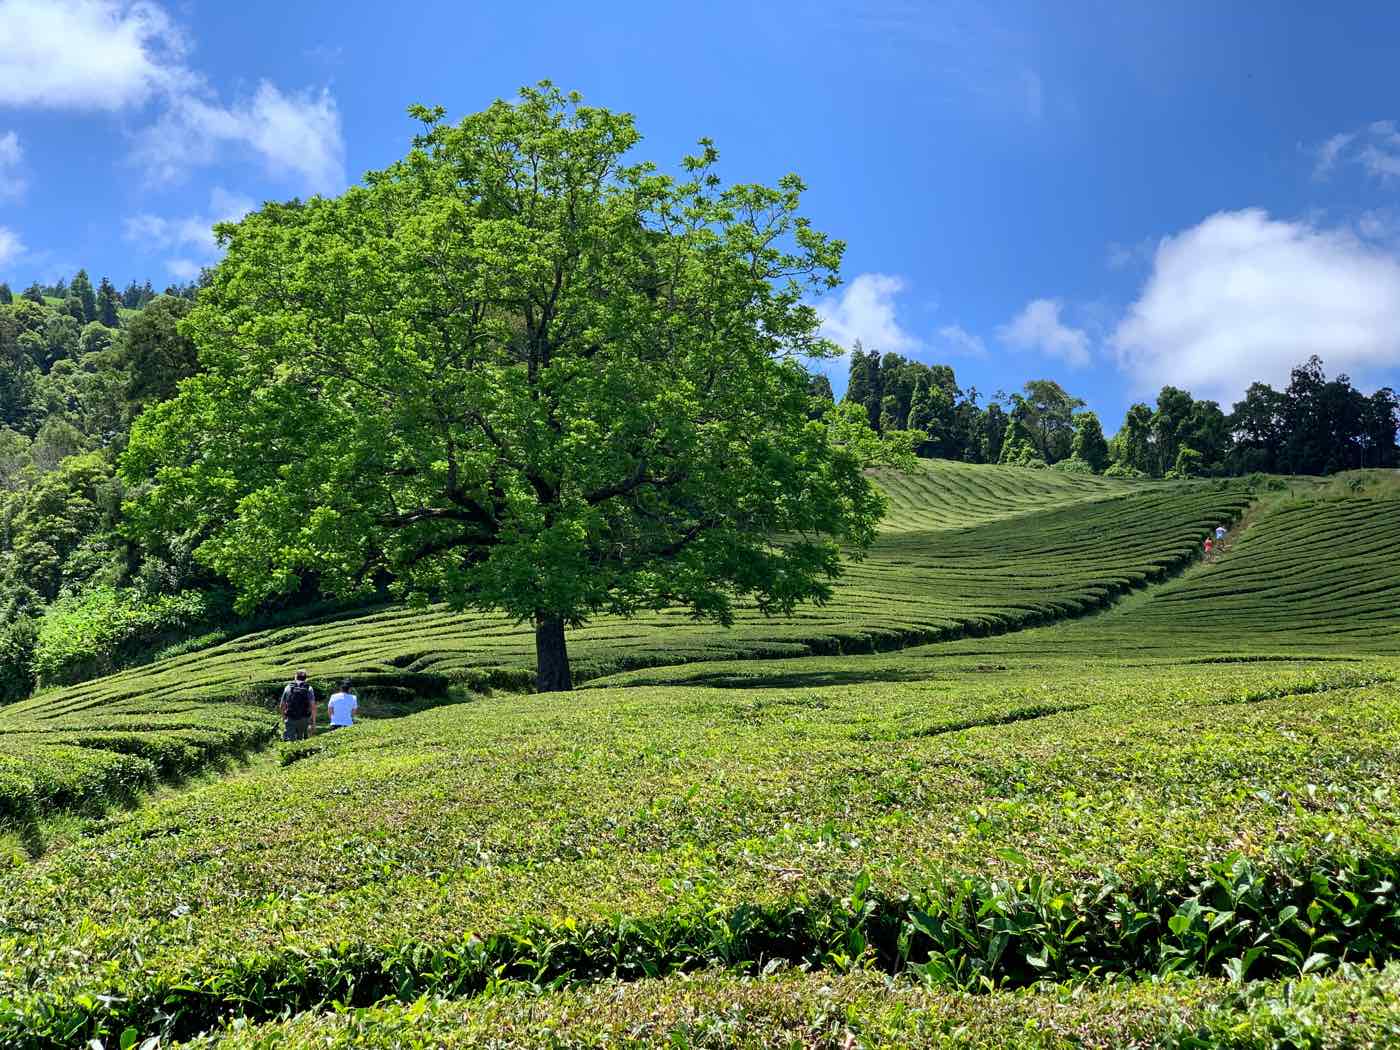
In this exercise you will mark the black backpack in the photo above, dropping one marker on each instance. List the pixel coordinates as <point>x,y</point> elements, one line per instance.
<point>299,701</point>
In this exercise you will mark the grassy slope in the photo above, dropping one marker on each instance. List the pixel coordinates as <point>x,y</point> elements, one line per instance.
<point>1306,576</point>
<point>1041,546</point>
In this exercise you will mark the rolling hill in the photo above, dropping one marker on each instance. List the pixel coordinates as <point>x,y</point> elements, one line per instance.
<point>1036,776</point>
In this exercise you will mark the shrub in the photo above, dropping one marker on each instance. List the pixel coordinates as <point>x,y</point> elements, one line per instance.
<point>1122,470</point>
<point>94,632</point>
<point>17,660</point>
<point>1074,465</point>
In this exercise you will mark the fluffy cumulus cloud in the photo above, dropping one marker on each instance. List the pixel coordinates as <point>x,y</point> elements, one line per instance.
<point>292,133</point>
<point>1039,328</point>
<point>1244,297</point>
<point>11,247</point>
<point>190,237</point>
<point>1374,148</point>
<point>864,311</point>
<point>87,54</point>
<point>129,54</point>
<point>12,182</point>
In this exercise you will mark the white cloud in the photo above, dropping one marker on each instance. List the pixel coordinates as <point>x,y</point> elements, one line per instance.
<point>191,234</point>
<point>1243,297</point>
<point>12,183</point>
<point>1038,327</point>
<point>1381,154</point>
<point>865,311</point>
<point>11,247</point>
<point>126,54</point>
<point>298,134</point>
<point>962,341</point>
<point>87,54</point>
<point>1375,147</point>
<point>1379,224</point>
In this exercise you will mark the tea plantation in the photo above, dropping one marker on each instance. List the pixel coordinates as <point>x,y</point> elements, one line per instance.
<point>1116,798</point>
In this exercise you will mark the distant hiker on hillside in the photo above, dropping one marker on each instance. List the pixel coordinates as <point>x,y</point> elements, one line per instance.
<point>1219,533</point>
<point>342,706</point>
<point>1210,547</point>
<point>298,708</point>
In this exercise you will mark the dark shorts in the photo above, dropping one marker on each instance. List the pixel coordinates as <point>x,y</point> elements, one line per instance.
<point>296,728</point>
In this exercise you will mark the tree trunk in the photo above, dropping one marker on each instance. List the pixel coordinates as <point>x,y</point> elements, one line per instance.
<point>552,673</point>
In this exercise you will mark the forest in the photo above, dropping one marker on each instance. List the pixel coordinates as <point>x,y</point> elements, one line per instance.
<point>81,594</point>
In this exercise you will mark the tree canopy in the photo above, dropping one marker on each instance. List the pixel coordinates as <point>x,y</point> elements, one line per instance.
<point>516,371</point>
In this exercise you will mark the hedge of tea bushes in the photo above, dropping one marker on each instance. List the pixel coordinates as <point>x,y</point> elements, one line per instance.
<point>1307,577</point>
<point>863,1009</point>
<point>1138,820</point>
<point>109,755</point>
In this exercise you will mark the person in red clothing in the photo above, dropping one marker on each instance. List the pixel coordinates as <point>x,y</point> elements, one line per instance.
<point>1210,547</point>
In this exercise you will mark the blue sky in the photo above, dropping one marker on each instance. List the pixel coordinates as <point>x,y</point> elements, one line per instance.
<point>1114,195</point>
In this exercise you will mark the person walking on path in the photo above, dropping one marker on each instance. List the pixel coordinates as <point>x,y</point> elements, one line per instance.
<point>298,708</point>
<point>342,706</point>
<point>1220,534</point>
<point>1210,546</point>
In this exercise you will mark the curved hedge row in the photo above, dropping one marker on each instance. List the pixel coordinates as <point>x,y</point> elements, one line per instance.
<point>1306,576</point>
<point>829,1011</point>
<point>51,760</point>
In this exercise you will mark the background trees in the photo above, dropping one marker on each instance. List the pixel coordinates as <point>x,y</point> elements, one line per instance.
<point>1314,426</point>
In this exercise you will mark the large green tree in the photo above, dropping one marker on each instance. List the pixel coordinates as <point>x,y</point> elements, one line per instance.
<point>516,371</point>
<point>1089,443</point>
<point>157,354</point>
<point>108,304</point>
<point>81,289</point>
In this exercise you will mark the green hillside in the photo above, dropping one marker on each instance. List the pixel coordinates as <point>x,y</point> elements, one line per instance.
<point>1042,546</point>
<point>923,846</point>
<point>1075,545</point>
<point>1304,576</point>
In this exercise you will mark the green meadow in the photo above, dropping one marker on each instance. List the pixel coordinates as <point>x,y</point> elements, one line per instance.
<point>1035,776</point>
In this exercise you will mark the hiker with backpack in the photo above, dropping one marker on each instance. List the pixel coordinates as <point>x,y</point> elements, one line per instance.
<point>298,708</point>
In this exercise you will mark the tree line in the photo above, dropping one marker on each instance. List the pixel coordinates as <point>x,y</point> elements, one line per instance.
<point>1315,425</point>
<point>80,300</point>
<point>75,371</point>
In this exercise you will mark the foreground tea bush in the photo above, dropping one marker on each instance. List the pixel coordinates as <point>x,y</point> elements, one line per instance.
<point>987,825</point>
<point>106,756</point>
<point>863,1009</point>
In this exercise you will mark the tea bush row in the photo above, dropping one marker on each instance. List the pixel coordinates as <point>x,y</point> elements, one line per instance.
<point>106,756</point>
<point>836,1011</point>
<point>1310,576</point>
<point>1137,819</point>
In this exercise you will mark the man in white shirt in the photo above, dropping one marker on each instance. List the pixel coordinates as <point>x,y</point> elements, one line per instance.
<point>342,706</point>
